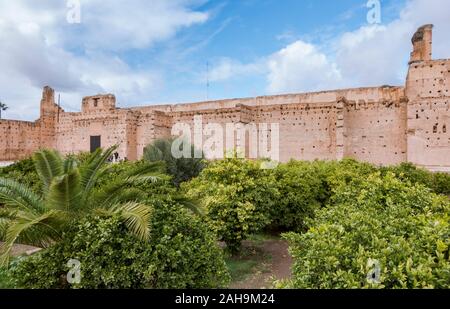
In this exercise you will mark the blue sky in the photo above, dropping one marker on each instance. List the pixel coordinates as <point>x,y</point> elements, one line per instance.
<point>153,52</point>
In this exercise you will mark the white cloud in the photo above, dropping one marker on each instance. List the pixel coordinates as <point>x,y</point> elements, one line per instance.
<point>300,67</point>
<point>372,55</point>
<point>116,25</point>
<point>40,48</point>
<point>226,68</point>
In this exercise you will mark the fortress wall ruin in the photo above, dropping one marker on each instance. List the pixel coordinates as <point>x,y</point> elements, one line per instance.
<point>74,130</point>
<point>376,131</point>
<point>382,125</point>
<point>19,139</point>
<point>428,114</point>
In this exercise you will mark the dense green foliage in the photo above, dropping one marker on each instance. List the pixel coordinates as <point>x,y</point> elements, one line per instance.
<point>181,253</point>
<point>438,182</point>
<point>404,227</point>
<point>68,193</point>
<point>109,256</point>
<point>181,169</point>
<point>237,196</point>
<point>301,189</point>
<point>6,279</point>
<point>342,215</point>
<point>186,253</point>
<point>24,172</point>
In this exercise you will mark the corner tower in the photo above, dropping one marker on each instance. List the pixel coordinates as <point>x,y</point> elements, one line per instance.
<point>422,44</point>
<point>49,117</point>
<point>428,92</point>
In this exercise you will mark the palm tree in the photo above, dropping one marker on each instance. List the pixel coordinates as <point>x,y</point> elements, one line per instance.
<point>69,192</point>
<point>182,169</point>
<point>3,107</point>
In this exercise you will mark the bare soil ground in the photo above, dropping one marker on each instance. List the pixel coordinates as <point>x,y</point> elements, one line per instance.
<point>273,262</point>
<point>20,249</point>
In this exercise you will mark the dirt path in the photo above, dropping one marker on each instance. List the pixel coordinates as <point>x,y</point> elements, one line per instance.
<point>21,249</point>
<point>276,267</point>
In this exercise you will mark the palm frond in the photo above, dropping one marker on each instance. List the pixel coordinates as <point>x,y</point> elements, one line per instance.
<point>65,192</point>
<point>189,203</point>
<point>48,165</point>
<point>4,224</point>
<point>129,195</point>
<point>16,195</point>
<point>18,227</point>
<point>69,164</point>
<point>136,218</point>
<point>113,190</point>
<point>153,168</point>
<point>92,169</point>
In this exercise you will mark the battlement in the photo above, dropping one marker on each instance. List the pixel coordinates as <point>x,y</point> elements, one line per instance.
<point>98,103</point>
<point>422,42</point>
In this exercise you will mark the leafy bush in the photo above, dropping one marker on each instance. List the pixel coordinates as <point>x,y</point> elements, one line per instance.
<point>410,172</point>
<point>6,280</point>
<point>109,256</point>
<point>181,253</point>
<point>441,183</point>
<point>23,172</point>
<point>307,186</point>
<point>302,190</point>
<point>237,197</point>
<point>185,251</point>
<point>438,182</point>
<point>343,173</point>
<point>405,228</point>
<point>181,169</point>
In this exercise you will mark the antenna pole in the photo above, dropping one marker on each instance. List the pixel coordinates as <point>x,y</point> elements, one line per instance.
<point>59,106</point>
<point>207,81</point>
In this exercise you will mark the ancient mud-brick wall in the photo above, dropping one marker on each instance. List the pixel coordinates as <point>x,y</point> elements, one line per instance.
<point>307,131</point>
<point>375,131</point>
<point>325,125</point>
<point>99,117</point>
<point>367,124</point>
<point>19,139</point>
<point>236,115</point>
<point>427,87</point>
<point>150,125</point>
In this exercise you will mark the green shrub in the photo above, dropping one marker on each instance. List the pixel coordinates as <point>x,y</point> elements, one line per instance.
<point>441,183</point>
<point>237,196</point>
<point>185,251</point>
<point>344,173</point>
<point>23,172</point>
<point>302,190</point>
<point>181,169</point>
<point>109,256</point>
<point>6,279</point>
<point>181,253</point>
<point>410,172</point>
<point>405,228</point>
<point>438,182</point>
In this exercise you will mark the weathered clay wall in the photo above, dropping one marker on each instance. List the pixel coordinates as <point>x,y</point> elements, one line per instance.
<point>368,124</point>
<point>150,126</point>
<point>428,87</point>
<point>376,131</point>
<point>19,139</point>
<point>73,131</point>
<point>312,126</point>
